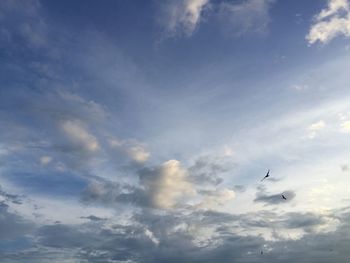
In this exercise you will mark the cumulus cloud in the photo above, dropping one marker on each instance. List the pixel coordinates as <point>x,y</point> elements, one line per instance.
<point>167,184</point>
<point>182,17</point>
<point>246,16</point>
<point>331,22</point>
<point>79,136</point>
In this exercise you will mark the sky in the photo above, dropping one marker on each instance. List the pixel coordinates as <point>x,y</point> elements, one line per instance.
<point>139,131</point>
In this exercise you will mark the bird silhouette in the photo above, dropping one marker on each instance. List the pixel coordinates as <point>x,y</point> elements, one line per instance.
<point>267,175</point>
<point>285,198</point>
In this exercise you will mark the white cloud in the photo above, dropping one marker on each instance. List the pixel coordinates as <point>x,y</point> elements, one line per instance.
<point>331,22</point>
<point>79,136</point>
<point>345,126</point>
<point>168,185</point>
<point>300,87</point>
<point>45,160</point>
<point>151,236</point>
<point>182,16</point>
<point>334,6</point>
<point>316,127</point>
<point>246,16</point>
<point>138,153</point>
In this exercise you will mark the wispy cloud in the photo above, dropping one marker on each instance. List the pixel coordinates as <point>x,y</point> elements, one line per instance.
<point>79,136</point>
<point>235,18</point>
<point>135,150</point>
<point>182,17</point>
<point>251,16</point>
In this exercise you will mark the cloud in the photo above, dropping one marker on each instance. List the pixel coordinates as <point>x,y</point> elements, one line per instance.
<point>314,128</point>
<point>15,199</point>
<point>331,22</point>
<point>344,167</point>
<point>345,126</point>
<point>239,188</point>
<point>79,136</point>
<point>151,236</point>
<point>214,199</point>
<point>334,6</point>
<point>138,153</point>
<point>242,17</point>
<point>22,21</point>
<point>167,184</point>
<point>263,197</point>
<point>175,236</point>
<point>317,126</point>
<point>182,17</point>
<point>45,160</point>
<point>11,225</point>
<point>135,150</point>
<point>208,170</point>
<point>93,218</point>
<point>306,221</point>
<point>236,18</point>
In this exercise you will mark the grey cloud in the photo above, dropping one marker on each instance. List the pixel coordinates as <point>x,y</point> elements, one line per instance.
<point>273,199</point>
<point>209,170</point>
<point>93,218</point>
<point>344,167</point>
<point>130,243</point>
<point>12,225</point>
<point>303,220</point>
<point>111,194</point>
<point>16,199</point>
<point>239,188</point>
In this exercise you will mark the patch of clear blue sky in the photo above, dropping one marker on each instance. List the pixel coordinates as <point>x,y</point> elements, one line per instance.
<point>131,26</point>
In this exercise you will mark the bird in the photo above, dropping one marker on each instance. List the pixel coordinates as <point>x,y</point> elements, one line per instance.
<point>285,198</point>
<point>261,252</point>
<point>267,175</point>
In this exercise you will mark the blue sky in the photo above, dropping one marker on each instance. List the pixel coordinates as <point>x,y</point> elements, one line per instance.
<point>139,131</point>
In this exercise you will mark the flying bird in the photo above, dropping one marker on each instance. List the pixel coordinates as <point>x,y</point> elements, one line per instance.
<point>267,175</point>
<point>285,198</point>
